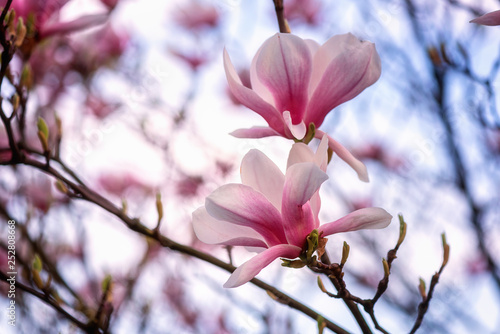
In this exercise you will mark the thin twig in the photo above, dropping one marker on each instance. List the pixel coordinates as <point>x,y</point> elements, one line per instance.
<point>280,15</point>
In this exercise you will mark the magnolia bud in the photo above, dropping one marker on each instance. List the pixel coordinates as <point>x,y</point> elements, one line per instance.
<point>37,263</point>
<point>446,250</point>
<point>402,230</point>
<point>15,101</point>
<point>20,32</point>
<point>345,253</point>
<point>421,289</point>
<point>37,279</point>
<point>61,187</point>
<point>159,207</point>
<point>106,283</point>
<point>321,285</point>
<point>43,133</point>
<point>26,77</point>
<point>386,268</point>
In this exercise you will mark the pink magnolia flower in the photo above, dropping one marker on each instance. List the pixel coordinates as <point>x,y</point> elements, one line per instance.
<point>44,13</point>
<point>489,19</point>
<point>273,213</point>
<point>193,59</point>
<point>110,4</point>
<point>196,15</point>
<point>303,11</point>
<point>101,48</point>
<point>120,183</point>
<point>296,82</point>
<point>99,107</point>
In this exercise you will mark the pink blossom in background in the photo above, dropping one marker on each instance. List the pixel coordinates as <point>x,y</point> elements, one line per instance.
<point>303,11</point>
<point>188,186</point>
<point>223,167</point>
<point>39,194</point>
<point>99,49</point>
<point>296,82</point>
<point>489,19</point>
<point>99,107</point>
<point>119,183</point>
<point>379,153</point>
<point>196,15</point>
<point>194,59</point>
<point>45,14</point>
<point>273,213</point>
<point>110,4</point>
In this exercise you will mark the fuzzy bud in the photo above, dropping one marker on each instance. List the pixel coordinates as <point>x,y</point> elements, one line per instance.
<point>345,253</point>
<point>421,289</point>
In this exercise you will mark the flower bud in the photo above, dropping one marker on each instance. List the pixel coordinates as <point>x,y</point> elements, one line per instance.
<point>387,272</point>
<point>37,279</point>
<point>20,32</point>
<point>15,101</point>
<point>421,289</point>
<point>26,77</point>
<point>402,230</point>
<point>61,187</point>
<point>124,206</point>
<point>321,285</point>
<point>58,126</point>
<point>159,207</point>
<point>345,253</point>
<point>446,250</point>
<point>321,324</point>
<point>106,283</point>
<point>37,263</point>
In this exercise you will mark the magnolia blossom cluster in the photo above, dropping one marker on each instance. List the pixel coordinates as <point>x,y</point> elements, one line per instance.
<point>44,16</point>
<point>295,83</point>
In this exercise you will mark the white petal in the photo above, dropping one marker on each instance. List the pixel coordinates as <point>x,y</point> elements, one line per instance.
<point>297,130</point>
<point>213,231</point>
<point>260,173</point>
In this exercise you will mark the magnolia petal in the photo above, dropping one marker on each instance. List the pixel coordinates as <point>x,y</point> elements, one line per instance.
<point>297,130</point>
<point>302,181</point>
<point>284,67</point>
<point>257,85</point>
<point>260,173</point>
<point>347,156</point>
<point>252,267</point>
<point>321,156</point>
<point>313,46</point>
<point>217,232</point>
<point>250,99</point>
<point>489,19</point>
<point>81,23</point>
<point>347,74</point>
<point>300,152</point>
<point>242,205</point>
<point>315,204</point>
<point>367,218</point>
<point>255,132</point>
<point>324,54</point>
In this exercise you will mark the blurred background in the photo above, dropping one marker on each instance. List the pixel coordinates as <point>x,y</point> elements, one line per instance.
<point>145,109</point>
